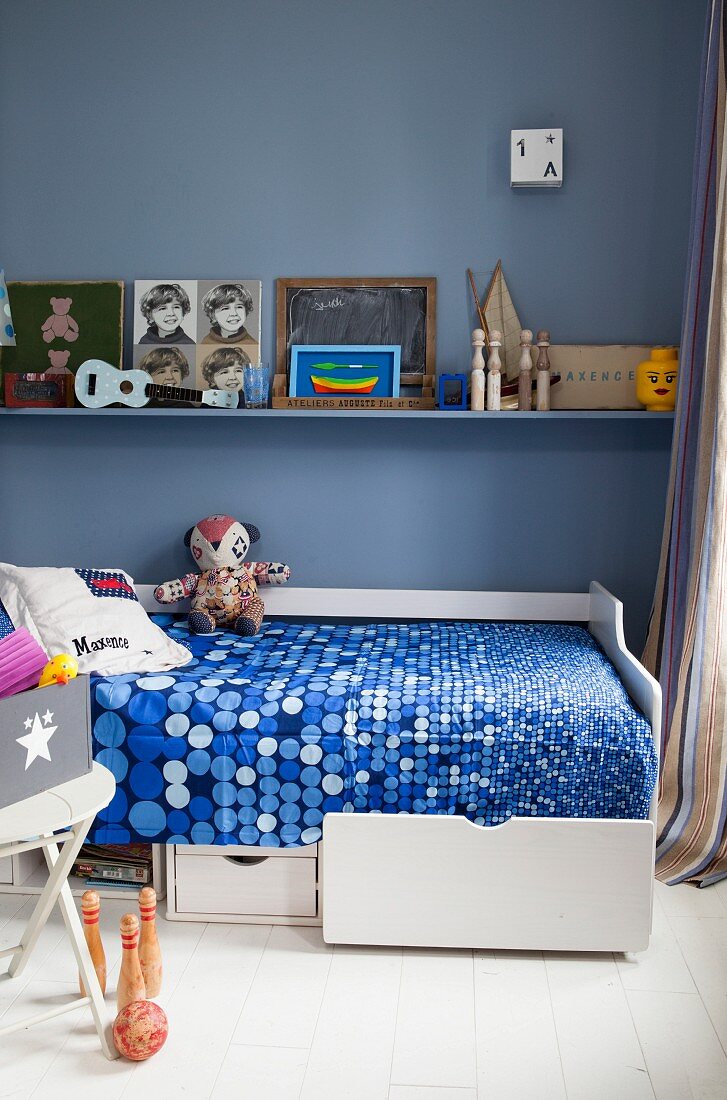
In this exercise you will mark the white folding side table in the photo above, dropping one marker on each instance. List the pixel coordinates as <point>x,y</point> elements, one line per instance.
<point>63,815</point>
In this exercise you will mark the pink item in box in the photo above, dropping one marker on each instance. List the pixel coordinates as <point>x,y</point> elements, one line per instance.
<point>21,662</point>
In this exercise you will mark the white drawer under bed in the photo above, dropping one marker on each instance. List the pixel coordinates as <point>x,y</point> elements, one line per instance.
<point>243,884</point>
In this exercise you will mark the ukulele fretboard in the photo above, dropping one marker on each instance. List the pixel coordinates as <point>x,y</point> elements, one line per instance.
<point>172,393</point>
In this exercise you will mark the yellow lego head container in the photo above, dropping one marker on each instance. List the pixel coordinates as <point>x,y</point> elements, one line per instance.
<point>656,380</point>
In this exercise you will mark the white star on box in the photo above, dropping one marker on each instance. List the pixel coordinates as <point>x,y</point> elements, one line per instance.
<point>36,742</point>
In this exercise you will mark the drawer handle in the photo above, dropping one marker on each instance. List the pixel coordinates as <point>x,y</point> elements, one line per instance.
<point>247,861</point>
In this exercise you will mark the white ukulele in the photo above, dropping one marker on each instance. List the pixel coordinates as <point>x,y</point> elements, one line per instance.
<point>98,384</point>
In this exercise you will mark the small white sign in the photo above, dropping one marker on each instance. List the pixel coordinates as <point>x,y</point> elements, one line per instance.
<point>536,158</point>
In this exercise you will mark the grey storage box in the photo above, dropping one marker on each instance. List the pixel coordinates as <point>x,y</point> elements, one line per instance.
<point>45,739</point>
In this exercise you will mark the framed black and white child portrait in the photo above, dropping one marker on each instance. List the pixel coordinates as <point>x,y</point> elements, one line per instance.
<point>204,330</point>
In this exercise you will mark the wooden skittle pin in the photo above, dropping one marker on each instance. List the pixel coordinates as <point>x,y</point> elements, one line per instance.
<point>91,909</point>
<point>131,985</point>
<point>150,955</point>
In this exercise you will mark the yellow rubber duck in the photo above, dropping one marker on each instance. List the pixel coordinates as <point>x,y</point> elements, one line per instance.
<point>59,671</point>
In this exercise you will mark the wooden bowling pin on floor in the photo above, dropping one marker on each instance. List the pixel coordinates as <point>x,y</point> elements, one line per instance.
<point>91,909</point>
<point>150,955</point>
<point>131,985</point>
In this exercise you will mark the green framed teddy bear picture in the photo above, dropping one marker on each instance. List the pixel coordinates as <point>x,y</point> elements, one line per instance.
<point>58,325</point>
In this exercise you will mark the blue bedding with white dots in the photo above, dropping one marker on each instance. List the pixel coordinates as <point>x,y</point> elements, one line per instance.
<point>258,738</point>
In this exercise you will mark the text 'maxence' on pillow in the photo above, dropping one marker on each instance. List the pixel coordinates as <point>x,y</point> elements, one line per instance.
<point>93,614</point>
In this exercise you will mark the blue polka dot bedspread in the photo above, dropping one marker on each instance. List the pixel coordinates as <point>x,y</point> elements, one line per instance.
<point>258,738</point>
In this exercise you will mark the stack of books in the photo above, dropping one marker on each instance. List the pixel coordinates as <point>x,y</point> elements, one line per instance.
<point>114,864</point>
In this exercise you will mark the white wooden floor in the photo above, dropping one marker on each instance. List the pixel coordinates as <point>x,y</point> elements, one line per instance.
<point>259,1013</point>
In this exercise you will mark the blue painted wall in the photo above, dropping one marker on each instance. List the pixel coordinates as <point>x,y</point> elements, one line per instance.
<point>271,137</point>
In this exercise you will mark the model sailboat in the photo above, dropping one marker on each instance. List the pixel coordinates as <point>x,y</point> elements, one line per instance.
<point>500,314</point>
<point>497,313</point>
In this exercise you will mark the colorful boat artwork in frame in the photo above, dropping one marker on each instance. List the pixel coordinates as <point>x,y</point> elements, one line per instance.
<point>336,370</point>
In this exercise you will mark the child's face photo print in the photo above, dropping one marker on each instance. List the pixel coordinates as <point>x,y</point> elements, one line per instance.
<point>221,368</point>
<point>165,311</point>
<point>168,366</point>
<point>229,313</point>
<point>197,334</point>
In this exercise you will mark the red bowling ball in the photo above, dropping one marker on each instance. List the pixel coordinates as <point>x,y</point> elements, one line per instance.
<point>140,1030</point>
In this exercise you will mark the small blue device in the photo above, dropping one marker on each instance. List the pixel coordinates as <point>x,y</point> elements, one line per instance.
<point>452,391</point>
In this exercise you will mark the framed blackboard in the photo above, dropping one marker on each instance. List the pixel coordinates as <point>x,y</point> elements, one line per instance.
<point>360,311</point>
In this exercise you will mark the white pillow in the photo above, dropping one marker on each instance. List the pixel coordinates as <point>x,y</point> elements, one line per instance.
<point>93,614</point>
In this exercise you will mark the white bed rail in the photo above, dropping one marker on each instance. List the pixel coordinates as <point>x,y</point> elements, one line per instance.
<point>605,623</point>
<point>408,603</point>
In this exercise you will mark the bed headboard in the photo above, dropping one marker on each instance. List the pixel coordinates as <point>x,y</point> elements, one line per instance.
<point>389,603</point>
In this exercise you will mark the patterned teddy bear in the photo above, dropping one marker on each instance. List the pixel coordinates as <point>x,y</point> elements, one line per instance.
<point>225,593</point>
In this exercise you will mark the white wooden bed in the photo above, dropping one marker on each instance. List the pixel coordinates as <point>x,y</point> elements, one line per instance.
<point>436,881</point>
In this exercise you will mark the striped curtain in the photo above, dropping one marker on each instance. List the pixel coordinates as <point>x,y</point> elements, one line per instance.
<point>687,643</point>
